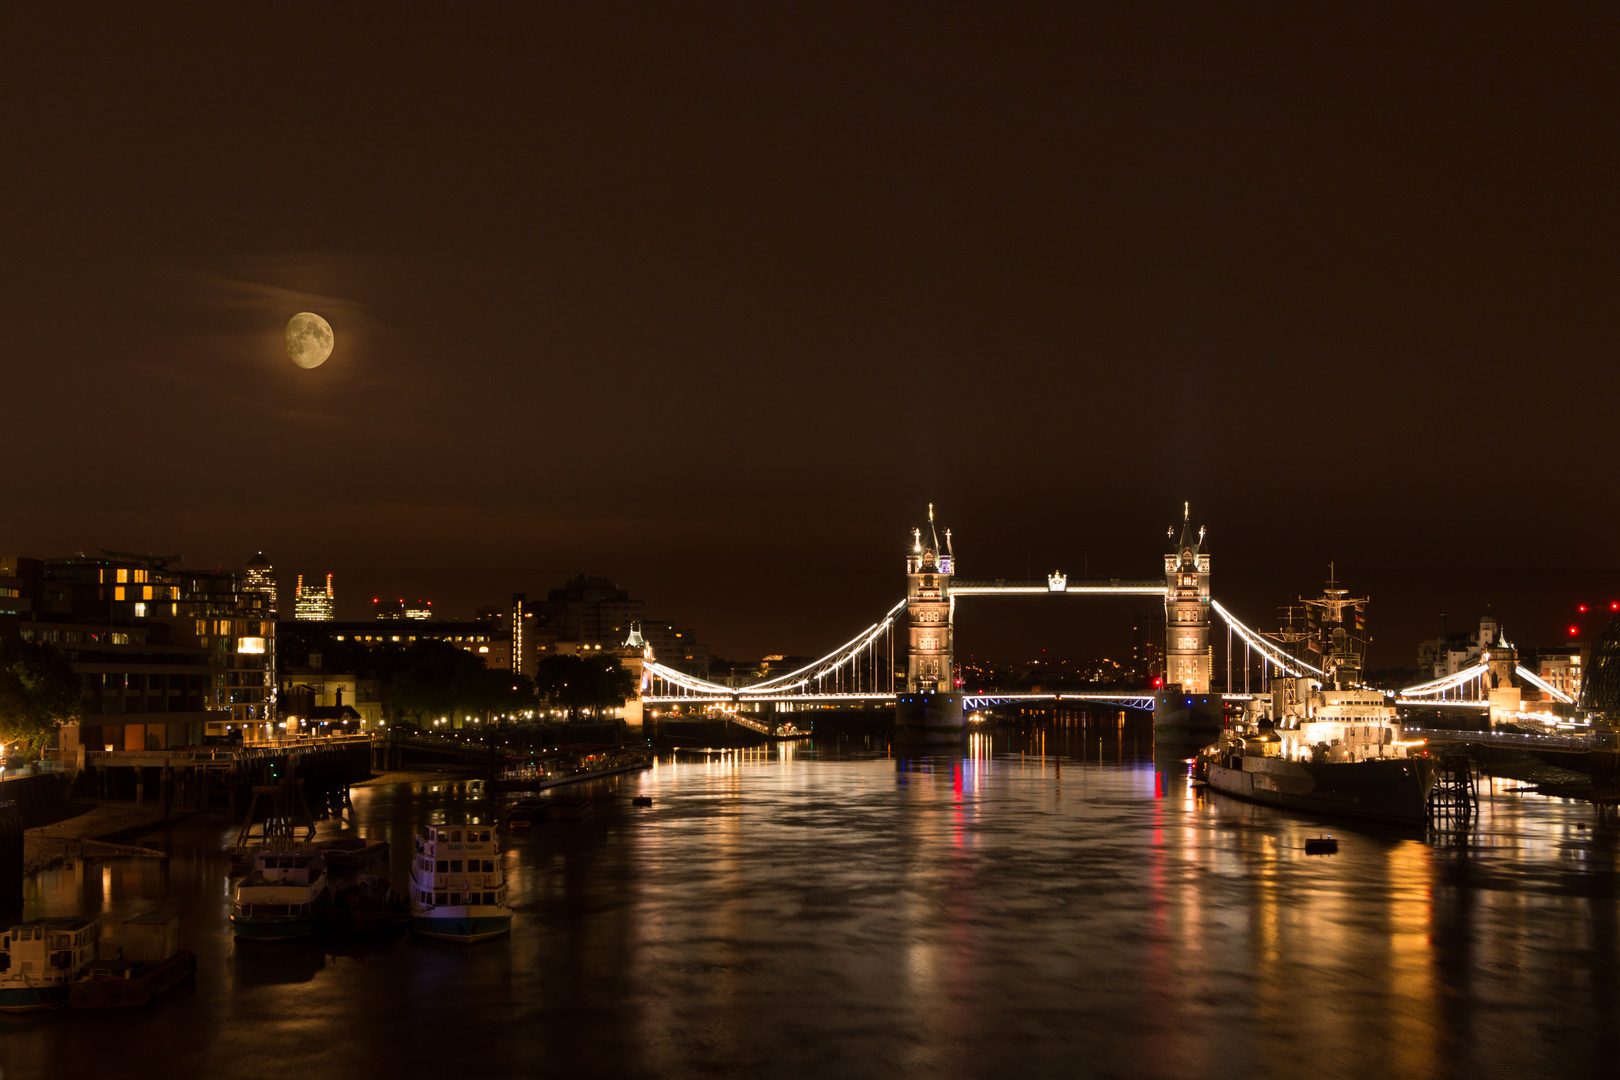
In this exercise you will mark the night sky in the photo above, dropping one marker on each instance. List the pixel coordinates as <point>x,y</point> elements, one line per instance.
<point>715,300</point>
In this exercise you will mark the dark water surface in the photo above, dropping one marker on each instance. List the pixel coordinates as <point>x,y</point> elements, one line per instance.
<point>1050,905</point>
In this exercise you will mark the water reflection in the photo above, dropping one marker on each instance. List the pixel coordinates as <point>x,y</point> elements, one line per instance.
<point>1053,901</point>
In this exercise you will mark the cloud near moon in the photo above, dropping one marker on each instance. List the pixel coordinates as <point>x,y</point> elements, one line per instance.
<point>309,339</point>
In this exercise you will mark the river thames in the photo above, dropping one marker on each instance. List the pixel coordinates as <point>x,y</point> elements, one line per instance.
<point>1050,904</point>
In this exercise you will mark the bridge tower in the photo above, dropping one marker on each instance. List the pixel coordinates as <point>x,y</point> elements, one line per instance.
<point>929,609</point>
<point>1185,705</point>
<point>929,710</point>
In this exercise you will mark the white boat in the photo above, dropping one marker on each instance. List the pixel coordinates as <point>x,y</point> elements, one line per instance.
<point>458,889</point>
<point>282,897</point>
<point>40,960</point>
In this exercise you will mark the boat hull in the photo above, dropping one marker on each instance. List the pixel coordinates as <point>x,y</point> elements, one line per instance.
<point>274,929</point>
<point>22,999</point>
<point>1391,789</point>
<point>132,992</point>
<point>465,929</point>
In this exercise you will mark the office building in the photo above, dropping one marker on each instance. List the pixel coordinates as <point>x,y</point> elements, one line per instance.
<point>416,610</point>
<point>312,603</point>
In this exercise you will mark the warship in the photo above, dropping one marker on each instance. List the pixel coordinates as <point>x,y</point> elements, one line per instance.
<point>1322,741</point>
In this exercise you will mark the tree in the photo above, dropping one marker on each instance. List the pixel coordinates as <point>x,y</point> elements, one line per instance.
<point>38,693</point>
<point>433,679</point>
<point>597,681</point>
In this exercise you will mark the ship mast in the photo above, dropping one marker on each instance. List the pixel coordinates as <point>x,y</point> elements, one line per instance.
<point>1342,647</point>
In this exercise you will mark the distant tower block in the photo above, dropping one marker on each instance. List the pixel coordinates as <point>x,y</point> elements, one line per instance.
<point>929,711</point>
<point>929,610</point>
<point>1184,708</point>
<point>312,603</point>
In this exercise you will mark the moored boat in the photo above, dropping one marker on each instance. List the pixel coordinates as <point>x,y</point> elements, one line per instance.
<point>367,907</point>
<point>282,897</point>
<point>39,961</point>
<point>458,889</point>
<point>148,962</point>
<point>1322,741</point>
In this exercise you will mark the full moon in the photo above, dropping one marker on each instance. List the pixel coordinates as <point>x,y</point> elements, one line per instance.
<point>309,339</point>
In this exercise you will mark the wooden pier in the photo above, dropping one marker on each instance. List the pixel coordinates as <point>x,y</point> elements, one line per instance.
<point>201,778</point>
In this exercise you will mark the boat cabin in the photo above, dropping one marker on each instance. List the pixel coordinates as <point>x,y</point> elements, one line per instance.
<point>48,950</point>
<point>287,867</point>
<point>457,865</point>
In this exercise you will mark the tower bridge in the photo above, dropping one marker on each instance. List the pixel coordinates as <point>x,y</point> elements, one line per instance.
<point>929,705</point>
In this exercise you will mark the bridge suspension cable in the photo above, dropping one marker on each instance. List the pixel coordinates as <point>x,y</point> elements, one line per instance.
<point>1541,684</point>
<point>1447,682</point>
<point>843,665</point>
<point>1293,665</point>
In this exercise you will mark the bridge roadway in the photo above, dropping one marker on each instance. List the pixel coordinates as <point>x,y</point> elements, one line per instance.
<point>1515,739</point>
<point>1123,698</point>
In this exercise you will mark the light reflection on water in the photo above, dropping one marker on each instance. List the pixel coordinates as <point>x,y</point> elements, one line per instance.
<point>1049,904</point>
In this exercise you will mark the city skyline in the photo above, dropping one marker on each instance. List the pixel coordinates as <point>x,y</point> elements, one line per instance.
<point>681,318</point>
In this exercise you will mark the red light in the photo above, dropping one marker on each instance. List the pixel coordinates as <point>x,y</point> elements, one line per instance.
<point>1157,683</point>
<point>1583,609</point>
<point>1574,630</point>
<point>1615,606</point>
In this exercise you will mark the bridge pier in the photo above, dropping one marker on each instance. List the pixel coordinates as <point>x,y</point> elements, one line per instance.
<point>928,719</point>
<point>1179,714</point>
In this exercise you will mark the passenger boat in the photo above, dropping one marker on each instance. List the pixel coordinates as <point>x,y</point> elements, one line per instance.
<point>148,962</point>
<point>1323,743</point>
<point>458,889</point>
<point>282,897</point>
<point>39,961</point>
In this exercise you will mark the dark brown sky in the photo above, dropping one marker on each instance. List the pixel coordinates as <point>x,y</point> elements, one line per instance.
<point>715,299</point>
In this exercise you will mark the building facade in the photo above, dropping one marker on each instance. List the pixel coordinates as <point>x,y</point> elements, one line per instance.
<point>483,639</point>
<point>165,657</point>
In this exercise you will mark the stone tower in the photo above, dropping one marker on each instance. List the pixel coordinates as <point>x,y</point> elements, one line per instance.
<point>1187,659</point>
<point>928,712</point>
<point>929,610</point>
